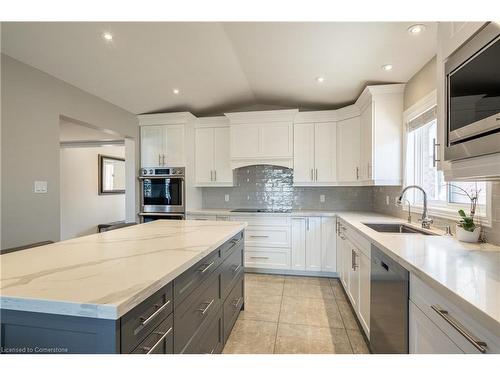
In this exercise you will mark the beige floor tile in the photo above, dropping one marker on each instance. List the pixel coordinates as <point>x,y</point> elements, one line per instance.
<point>338,290</point>
<point>348,317</point>
<point>357,341</point>
<point>308,290</point>
<point>264,277</point>
<point>307,280</point>
<point>301,339</point>
<point>310,311</point>
<point>251,337</point>
<point>264,308</point>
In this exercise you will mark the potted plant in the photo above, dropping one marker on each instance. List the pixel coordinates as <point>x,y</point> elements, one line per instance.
<point>467,230</point>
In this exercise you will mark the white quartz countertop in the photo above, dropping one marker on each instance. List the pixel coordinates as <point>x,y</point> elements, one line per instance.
<point>468,274</point>
<point>105,275</point>
<point>224,212</point>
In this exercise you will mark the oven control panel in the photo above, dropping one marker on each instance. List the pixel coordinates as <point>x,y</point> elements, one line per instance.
<point>178,171</point>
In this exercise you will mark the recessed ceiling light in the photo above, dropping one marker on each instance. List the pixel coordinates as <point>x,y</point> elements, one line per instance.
<point>320,79</point>
<point>387,67</point>
<point>416,29</point>
<point>176,91</point>
<point>107,36</point>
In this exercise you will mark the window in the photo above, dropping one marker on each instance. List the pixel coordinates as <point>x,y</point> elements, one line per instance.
<point>443,199</point>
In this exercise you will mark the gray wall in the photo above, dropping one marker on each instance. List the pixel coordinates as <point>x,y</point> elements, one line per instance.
<point>421,84</point>
<point>32,102</point>
<point>265,186</point>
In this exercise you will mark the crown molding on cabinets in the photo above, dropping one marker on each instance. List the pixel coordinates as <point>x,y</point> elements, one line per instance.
<point>316,116</point>
<point>166,118</point>
<point>370,93</point>
<point>212,122</point>
<point>282,115</point>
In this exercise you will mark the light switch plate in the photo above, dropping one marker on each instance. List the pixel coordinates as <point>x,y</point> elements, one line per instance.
<point>226,197</point>
<point>322,198</point>
<point>40,187</point>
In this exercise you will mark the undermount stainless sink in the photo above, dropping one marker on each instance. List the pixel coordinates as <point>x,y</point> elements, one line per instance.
<point>396,228</point>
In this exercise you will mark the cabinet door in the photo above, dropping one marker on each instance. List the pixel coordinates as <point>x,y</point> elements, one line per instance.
<point>325,152</point>
<point>347,265</point>
<point>303,153</point>
<point>313,244</point>
<point>425,337</point>
<point>364,291</point>
<point>354,277</point>
<point>245,141</point>
<point>222,162</point>
<point>328,245</point>
<point>151,146</point>
<point>204,155</point>
<point>173,145</point>
<point>348,149</point>
<point>366,163</point>
<point>276,140</point>
<point>298,243</point>
<point>340,259</point>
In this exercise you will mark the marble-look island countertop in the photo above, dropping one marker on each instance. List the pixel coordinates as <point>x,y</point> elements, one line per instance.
<point>105,275</point>
<point>468,274</point>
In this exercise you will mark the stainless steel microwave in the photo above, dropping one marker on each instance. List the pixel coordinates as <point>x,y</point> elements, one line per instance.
<point>473,96</point>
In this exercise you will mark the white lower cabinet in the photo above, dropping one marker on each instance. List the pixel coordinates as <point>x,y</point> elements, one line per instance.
<point>426,337</point>
<point>354,267</point>
<point>313,244</point>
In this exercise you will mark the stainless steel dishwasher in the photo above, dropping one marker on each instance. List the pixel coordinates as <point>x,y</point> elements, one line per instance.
<point>388,305</point>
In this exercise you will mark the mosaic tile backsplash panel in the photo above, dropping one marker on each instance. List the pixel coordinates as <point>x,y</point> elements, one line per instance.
<point>271,187</point>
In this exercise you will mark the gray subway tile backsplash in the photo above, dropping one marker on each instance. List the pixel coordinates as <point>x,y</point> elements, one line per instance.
<point>266,186</point>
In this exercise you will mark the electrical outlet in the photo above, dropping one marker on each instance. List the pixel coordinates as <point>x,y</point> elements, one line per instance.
<point>387,200</point>
<point>226,197</point>
<point>322,198</point>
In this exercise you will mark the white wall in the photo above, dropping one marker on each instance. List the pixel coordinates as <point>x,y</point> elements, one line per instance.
<point>82,208</point>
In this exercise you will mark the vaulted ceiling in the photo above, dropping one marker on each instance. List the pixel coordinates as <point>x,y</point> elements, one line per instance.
<point>221,66</point>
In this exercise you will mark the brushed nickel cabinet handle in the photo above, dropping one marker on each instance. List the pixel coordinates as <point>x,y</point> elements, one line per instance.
<point>259,257</point>
<point>357,173</point>
<point>478,344</point>
<point>147,320</point>
<point>203,310</point>
<point>236,302</point>
<point>312,175</point>
<point>259,236</point>
<point>159,159</point>
<point>316,174</point>
<point>150,350</point>
<point>215,174</point>
<point>211,175</point>
<point>203,270</point>
<point>434,145</point>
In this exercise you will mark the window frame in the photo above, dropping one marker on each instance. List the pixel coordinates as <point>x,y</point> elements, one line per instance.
<point>444,210</point>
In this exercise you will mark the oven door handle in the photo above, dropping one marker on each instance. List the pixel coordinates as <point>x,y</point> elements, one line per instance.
<point>157,177</point>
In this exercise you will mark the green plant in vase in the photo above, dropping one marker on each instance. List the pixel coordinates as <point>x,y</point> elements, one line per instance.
<point>466,229</point>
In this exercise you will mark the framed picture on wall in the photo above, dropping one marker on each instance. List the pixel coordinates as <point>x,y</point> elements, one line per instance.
<point>111,175</point>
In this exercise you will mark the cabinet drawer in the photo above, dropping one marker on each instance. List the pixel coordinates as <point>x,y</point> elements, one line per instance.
<point>211,340</point>
<point>232,245</point>
<point>267,236</point>
<point>356,238</point>
<point>452,320</point>
<point>186,283</point>
<point>160,341</point>
<point>272,258</point>
<point>229,271</point>
<point>137,324</point>
<point>199,306</point>
<point>276,221</point>
<point>232,306</point>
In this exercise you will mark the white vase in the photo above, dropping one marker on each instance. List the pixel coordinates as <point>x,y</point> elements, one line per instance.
<point>466,236</point>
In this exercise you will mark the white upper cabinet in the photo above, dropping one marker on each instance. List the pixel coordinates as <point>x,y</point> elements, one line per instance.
<point>261,137</point>
<point>348,150</point>
<point>212,161</point>
<point>163,139</point>
<point>381,133</point>
<point>314,151</point>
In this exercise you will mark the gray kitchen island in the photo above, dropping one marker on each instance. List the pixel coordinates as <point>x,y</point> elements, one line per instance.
<point>160,287</point>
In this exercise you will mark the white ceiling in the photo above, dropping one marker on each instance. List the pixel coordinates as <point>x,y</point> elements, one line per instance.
<point>221,66</point>
<point>72,132</point>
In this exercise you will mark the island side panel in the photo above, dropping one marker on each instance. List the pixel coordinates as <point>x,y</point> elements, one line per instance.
<point>32,332</point>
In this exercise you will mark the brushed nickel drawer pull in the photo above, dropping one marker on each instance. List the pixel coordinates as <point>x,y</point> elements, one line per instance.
<point>236,302</point>
<point>150,350</point>
<point>202,270</point>
<point>146,321</point>
<point>259,236</point>
<point>479,345</point>
<point>204,310</point>
<point>259,257</point>
<point>237,268</point>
